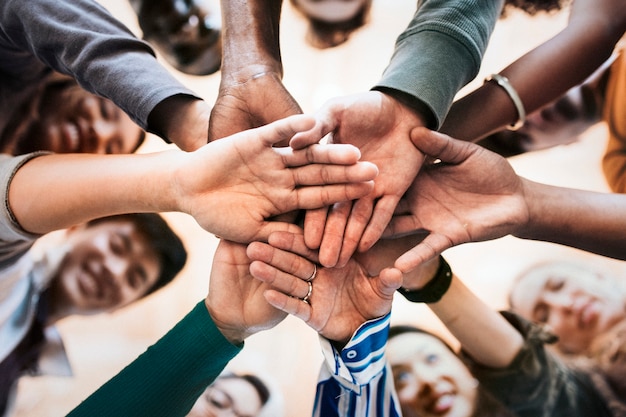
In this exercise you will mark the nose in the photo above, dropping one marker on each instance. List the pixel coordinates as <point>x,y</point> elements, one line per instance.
<point>105,133</point>
<point>426,380</point>
<point>117,267</point>
<point>561,301</point>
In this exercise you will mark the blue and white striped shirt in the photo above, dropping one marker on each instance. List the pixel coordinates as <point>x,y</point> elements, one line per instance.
<point>357,382</point>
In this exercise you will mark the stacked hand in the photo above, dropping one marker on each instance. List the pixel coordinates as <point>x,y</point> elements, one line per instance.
<point>249,101</point>
<point>235,300</point>
<point>472,195</point>
<point>379,126</point>
<point>341,298</point>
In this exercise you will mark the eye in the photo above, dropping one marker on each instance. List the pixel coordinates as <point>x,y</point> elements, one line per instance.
<point>431,359</point>
<point>136,276</point>
<point>219,400</point>
<point>555,284</point>
<point>541,313</point>
<point>119,243</point>
<point>401,377</point>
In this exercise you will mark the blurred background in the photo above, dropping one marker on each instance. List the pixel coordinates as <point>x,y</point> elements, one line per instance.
<point>100,346</point>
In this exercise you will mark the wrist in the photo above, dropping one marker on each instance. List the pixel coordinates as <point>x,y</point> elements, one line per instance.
<point>434,289</point>
<point>234,335</point>
<point>183,120</point>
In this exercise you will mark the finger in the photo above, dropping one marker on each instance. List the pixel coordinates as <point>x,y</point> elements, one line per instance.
<point>320,174</point>
<point>338,154</point>
<point>440,146</point>
<point>293,243</point>
<point>314,224</point>
<point>433,245</point>
<point>325,122</point>
<point>281,130</point>
<point>383,212</point>
<point>334,233</point>
<point>279,280</point>
<point>357,223</point>
<point>314,197</point>
<point>288,304</point>
<point>283,259</point>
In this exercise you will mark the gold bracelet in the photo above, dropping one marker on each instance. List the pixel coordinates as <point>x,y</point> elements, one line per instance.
<point>503,82</point>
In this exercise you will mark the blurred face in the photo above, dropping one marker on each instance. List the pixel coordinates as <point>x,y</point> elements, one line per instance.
<point>234,397</point>
<point>73,120</point>
<point>577,304</point>
<point>186,32</point>
<point>109,265</point>
<point>557,124</point>
<point>330,11</point>
<point>430,380</point>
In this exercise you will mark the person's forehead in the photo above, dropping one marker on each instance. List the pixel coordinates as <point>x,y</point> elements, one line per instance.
<point>243,394</point>
<point>411,344</point>
<point>531,285</point>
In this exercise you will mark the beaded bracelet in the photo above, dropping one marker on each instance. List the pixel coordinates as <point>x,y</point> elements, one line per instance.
<point>434,289</point>
<point>503,82</point>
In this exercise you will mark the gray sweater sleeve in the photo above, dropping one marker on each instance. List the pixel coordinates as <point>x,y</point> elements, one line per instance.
<point>82,39</point>
<point>14,241</point>
<point>439,52</point>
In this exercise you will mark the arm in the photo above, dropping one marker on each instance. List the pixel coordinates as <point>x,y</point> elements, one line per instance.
<point>566,60</point>
<point>439,52</point>
<point>475,196</point>
<point>231,187</point>
<point>106,59</point>
<point>483,333</point>
<point>251,92</point>
<point>167,379</point>
<point>508,357</point>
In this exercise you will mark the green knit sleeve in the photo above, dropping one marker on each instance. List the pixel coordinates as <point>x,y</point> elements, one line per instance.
<point>167,379</point>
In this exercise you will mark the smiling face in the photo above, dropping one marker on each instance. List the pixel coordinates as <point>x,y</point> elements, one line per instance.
<point>72,120</point>
<point>187,33</point>
<point>576,303</point>
<point>430,379</point>
<point>108,265</point>
<point>228,397</point>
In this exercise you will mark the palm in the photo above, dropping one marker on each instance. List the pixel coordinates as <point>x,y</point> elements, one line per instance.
<point>235,299</point>
<point>454,200</point>
<point>254,103</point>
<point>380,127</point>
<point>250,181</point>
<point>344,298</point>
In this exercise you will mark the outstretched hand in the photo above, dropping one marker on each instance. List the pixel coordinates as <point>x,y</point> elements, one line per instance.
<point>235,300</point>
<point>235,186</point>
<point>469,195</point>
<point>341,298</point>
<point>379,126</point>
<point>250,102</point>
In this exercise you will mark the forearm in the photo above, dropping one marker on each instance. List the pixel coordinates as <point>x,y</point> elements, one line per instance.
<point>565,61</point>
<point>482,332</point>
<point>95,48</point>
<point>250,39</point>
<point>586,220</point>
<point>54,192</point>
<point>432,61</point>
<point>167,379</point>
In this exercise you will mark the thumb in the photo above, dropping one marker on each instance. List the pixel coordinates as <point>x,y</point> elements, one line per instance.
<point>439,146</point>
<point>283,130</point>
<point>390,280</point>
<point>433,245</point>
